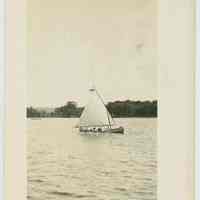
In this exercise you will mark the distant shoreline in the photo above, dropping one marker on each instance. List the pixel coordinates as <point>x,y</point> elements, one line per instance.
<point>79,117</point>
<point>117,109</point>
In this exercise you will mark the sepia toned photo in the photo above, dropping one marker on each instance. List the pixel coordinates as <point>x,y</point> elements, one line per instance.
<point>92,85</point>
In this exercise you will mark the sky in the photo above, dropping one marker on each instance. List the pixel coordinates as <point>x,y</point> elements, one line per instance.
<point>72,43</point>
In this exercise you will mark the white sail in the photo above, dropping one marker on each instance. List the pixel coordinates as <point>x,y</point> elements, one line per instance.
<point>95,113</point>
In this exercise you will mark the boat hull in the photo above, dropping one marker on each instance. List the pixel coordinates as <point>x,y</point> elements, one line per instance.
<point>118,130</point>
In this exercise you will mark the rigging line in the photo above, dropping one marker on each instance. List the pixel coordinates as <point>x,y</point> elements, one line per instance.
<point>104,105</point>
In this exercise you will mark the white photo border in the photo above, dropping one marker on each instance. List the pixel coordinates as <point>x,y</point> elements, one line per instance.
<point>2,94</point>
<point>197,104</point>
<point>2,99</point>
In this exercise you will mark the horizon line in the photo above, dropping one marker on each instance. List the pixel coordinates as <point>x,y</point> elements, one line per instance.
<point>81,105</point>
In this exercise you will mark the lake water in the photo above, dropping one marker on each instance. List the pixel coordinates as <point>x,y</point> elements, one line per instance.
<point>64,165</point>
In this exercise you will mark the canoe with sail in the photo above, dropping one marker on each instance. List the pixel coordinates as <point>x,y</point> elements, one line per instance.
<point>95,116</point>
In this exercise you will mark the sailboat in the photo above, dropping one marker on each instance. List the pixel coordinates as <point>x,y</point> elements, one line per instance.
<point>95,116</point>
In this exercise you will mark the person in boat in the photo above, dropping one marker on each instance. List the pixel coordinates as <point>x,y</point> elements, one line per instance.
<point>99,129</point>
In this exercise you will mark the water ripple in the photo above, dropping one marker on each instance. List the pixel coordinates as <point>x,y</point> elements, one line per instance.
<point>70,194</point>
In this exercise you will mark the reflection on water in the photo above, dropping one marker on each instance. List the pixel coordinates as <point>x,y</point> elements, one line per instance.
<point>63,164</point>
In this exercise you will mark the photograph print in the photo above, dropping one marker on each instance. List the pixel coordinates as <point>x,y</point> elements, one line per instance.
<point>92,100</point>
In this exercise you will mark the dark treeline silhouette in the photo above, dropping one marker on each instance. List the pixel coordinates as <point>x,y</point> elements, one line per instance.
<point>32,112</point>
<point>69,110</point>
<point>133,108</point>
<point>117,109</point>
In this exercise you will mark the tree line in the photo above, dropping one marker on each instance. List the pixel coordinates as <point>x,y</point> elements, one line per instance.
<point>117,109</point>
